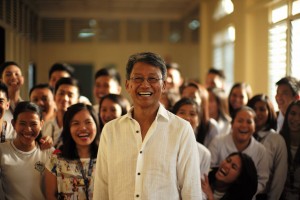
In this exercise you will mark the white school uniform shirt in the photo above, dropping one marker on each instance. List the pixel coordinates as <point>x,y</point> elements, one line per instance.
<point>280,120</point>
<point>165,165</point>
<point>277,155</point>
<point>222,146</point>
<point>212,132</point>
<point>52,129</point>
<point>22,172</point>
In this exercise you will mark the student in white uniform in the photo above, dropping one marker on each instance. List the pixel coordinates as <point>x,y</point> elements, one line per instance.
<point>22,162</point>
<point>189,110</point>
<point>107,81</point>
<point>66,93</point>
<point>288,90</point>
<point>265,126</point>
<point>240,139</point>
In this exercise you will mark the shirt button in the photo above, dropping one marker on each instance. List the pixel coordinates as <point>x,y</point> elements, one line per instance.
<point>137,195</point>
<point>141,152</point>
<point>139,173</point>
<point>137,131</point>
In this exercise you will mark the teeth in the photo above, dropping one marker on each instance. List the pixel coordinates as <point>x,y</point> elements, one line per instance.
<point>145,93</point>
<point>27,136</point>
<point>83,135</point>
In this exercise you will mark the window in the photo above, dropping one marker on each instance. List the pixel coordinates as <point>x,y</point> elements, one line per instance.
<point>223,52</point>
<point>224,7</point>
<point>284,43</point>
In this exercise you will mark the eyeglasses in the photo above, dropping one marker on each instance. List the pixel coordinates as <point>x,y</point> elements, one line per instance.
<point>150,80</point>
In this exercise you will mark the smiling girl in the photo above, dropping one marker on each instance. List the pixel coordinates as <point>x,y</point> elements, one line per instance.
<point>240,140</point>
<point>22,162</point>
<point>265,126</point>
<point>291,134</point>
<point>112,106</point>
<point>235,179</point>
<point>70,172</point>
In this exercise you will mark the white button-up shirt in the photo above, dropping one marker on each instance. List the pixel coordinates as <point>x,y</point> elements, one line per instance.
<point>165,165</point>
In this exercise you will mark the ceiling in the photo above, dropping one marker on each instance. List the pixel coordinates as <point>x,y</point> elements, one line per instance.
<point>116,8</point>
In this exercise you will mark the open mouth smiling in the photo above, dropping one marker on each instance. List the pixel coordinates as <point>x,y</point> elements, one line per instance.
<point>146,94</point>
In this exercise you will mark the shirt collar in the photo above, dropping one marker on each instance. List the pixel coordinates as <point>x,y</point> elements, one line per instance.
<point>162,112</point>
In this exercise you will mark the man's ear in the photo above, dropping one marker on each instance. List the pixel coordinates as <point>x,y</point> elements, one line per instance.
<point>164,86</point>
<point>7,105</point>
<point>127,85</point>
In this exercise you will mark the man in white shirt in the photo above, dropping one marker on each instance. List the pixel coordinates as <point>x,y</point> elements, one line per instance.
<point>149,153</point>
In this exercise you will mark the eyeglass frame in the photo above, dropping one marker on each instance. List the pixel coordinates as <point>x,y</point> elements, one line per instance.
<point>150,80</point>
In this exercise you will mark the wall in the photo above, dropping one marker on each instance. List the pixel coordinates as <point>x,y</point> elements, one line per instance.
<point>250,19</point>
<point>101,55</point>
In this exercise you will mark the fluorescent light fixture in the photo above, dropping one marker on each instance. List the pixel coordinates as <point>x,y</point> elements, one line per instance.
<point>194,24</point>
<point>86,33</point>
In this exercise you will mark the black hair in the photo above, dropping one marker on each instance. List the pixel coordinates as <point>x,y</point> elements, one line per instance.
<point>109,71</point>
<point>67,81</point>
<point>245,186</point>
<point>40,86</point>
<point>4,65</point>
<point>4,89</point>
<point>272,119</point>
<point>118,99</point>
<point>218,72</point>
<point>27,106</point>
<point>61,67</point>
<point>285,132</point>
<point>292,82</point>
<point>146,57</point>
<point>68,149</point>
<point>243,108</point>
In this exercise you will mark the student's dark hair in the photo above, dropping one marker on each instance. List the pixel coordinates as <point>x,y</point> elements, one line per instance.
<point>67,81</point>
<point>146,57</point>
<point>222,104</point>
<point>40,86</point>
<point>271,123</point>
<point>61,67</point>
<point>109,71</point>
<point>185,101</point>
<point>118,99</point>
<point>4,65</point>
<point>243,86</point>
<point>27,106</point>
<point>285,132</point>
<point>68,149</point>
<point>205,124</point>
<point>245,186</point>
<point>292,82</point>
<point>4,89</point>
<point>243,108</point>
<point>218,72</point>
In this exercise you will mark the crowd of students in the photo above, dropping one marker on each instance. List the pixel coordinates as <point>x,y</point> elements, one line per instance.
<point>244,149</point>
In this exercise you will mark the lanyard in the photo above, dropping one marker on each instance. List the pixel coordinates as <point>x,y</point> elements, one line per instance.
<point>85,178</point>
<point>3,132</point>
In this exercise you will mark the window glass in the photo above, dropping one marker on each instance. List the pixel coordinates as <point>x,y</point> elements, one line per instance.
<point>279,13</point>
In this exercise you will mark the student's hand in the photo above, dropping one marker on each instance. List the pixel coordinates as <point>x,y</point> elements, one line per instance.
<point>46,142</point>
<point>206,188</point>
